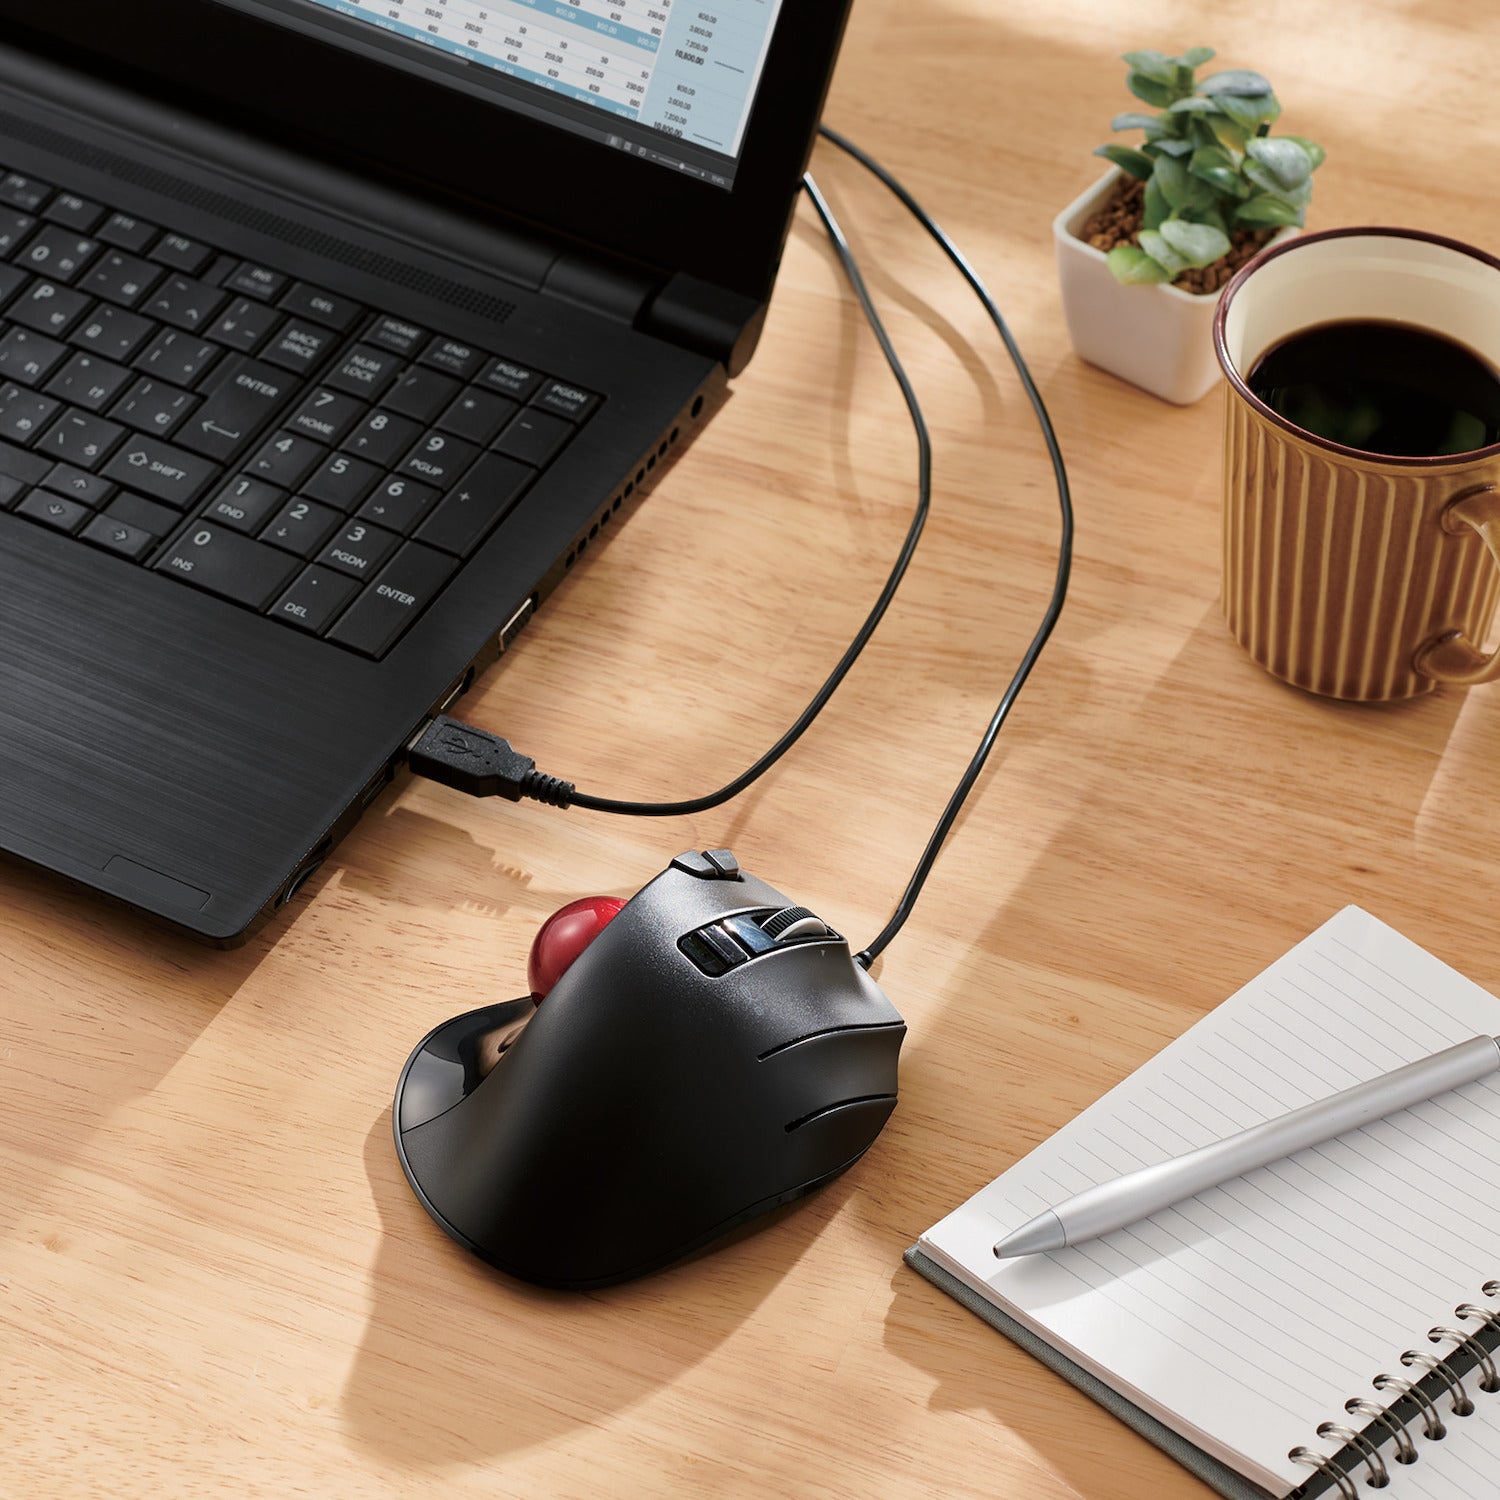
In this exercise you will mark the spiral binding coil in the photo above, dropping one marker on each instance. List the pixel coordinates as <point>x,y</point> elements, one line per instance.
<point>1359,1452</point>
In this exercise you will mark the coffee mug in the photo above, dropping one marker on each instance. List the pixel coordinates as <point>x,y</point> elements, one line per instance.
<point>1356,574</point>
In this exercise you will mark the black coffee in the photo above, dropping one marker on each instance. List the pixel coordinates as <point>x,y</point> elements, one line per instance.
<point>1383,388</point>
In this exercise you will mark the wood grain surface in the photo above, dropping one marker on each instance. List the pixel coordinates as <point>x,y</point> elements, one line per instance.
<point>213,1277</point>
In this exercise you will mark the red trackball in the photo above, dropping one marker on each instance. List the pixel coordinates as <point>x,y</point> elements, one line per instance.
<point>564,935</point>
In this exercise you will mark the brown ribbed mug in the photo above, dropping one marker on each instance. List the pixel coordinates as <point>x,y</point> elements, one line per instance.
<point>1358,575</point>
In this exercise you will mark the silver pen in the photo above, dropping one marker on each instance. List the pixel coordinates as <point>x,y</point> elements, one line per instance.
<point>1138,1195</point>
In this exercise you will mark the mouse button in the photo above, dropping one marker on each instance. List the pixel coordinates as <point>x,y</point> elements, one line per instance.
<point>746,927</point>
<point>832,1067</point>
<point>712,950</point>
<point>708,864</point>
<point>836,1137</point>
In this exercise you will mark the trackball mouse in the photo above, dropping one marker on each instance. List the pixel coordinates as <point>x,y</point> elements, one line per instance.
<point>712,1052</point>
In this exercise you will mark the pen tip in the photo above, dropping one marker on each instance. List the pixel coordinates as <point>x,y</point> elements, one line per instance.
<point>1045,1232</point>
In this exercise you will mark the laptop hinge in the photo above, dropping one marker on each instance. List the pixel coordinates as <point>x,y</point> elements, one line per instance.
<point>619,292</point>
<point>709,319</point>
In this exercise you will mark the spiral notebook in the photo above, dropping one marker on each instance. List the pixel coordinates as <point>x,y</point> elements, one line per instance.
<point>1317,1325</point>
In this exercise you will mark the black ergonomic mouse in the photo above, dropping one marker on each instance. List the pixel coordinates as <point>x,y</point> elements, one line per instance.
<point>714,1051</point>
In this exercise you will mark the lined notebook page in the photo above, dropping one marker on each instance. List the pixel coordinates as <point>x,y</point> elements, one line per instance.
<point>1244,1317</point>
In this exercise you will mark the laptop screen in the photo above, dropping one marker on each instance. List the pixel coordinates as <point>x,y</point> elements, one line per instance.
<point>668,81</point>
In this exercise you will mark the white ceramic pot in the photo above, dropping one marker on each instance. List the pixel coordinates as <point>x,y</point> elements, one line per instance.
<point>1155,336</point>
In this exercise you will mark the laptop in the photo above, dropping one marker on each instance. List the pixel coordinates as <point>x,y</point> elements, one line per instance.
<point>330,335</point>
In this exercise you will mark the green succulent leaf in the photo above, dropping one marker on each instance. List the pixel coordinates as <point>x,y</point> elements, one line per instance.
<point>1143,87</point>
<point>1153,64</point>
<point>1266,211</point>
<point>1195,57</point>
<point>1231,135</point>
<point>1194,104</point>
<point>1180,188</point>
<point>1155,243</point>
<point>1215,166</point>
<point>1137,163</point>
<point>1133,120</point>
<point>1315,153</point>
<point>1132,266</point>
<point>1251,111</point>
<point>1282,157</point>
<point>1239,81</point>
<point>1154,206</point>
<point>1197,244</point>
<point>1166,146</point>
<point>1267,181</point>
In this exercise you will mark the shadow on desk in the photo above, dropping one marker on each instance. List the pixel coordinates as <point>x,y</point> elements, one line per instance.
<point>461,1363</point>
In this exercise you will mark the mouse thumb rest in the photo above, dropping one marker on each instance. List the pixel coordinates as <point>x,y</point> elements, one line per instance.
<point>649,1105</point>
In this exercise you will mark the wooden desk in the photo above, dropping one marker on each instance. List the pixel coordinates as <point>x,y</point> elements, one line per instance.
<point>213,1278</point>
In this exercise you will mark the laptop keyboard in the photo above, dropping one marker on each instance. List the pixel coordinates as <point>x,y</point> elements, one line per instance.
<point>277,444</point>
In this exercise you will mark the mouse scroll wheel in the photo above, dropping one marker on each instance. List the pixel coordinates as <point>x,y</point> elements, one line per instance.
<point>794,922</point>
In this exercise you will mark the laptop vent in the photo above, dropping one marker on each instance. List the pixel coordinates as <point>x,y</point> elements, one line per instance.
<point>329,246</point>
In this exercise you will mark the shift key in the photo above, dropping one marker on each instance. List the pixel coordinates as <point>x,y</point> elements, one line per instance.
<point>246,394</point>
<point>229,565</point>
<point>157,469</point>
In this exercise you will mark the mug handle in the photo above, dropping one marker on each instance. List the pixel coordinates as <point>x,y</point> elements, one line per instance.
<point>1451,656</point>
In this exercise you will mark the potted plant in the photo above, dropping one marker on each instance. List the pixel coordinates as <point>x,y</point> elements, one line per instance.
<point>1143,254</point>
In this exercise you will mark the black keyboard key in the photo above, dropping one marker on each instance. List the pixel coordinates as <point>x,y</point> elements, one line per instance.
<point>127,232</point>
<point>301,527</point>
<point>56,511</point>
<point>49,308</point>
<point>285,460</point>
<point>81,438</point>
<point>398,594</point>
<point>119,537</point>
<point>327,416</point>
<point>383,437</point>
<point>178,358</point>
<point>120,278</point>
<point>26,467</point>
<point>245,504</point>
<point>359,549</point>
<point>11,282</point>
<point>229,565</point>
<point>300,346</point>
<point>477,416</point>
<point>564,400</point>
<point>244,325</point>
<point>399,504</point>
<point>11,490</point>
<point>154,468</point>
<point>181,253</point>
<point>534,437</point>
<point>339,313</point>
<point>341,481</point>
<point>154,406</point>
<point>244,395</point>
<point>314,599</point>
<point>397,334</point>
<point>23,192</point>
<point>113,333</point>
<point>24,414</point>
<point>29,357</point>
<point>470,511</point>
<point>57,253</point>
<point>439,459</point>
<point>14,227</point>
<point>73,212</point>
<point>148,515</point>
<point>453,356</point>
<point>78,484</point>
<point>422,394</point>
<point>89,382</point>
<point>260,282</point>
<point>365,371</point>
<point>185,303</point>
<point>510,379</point>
